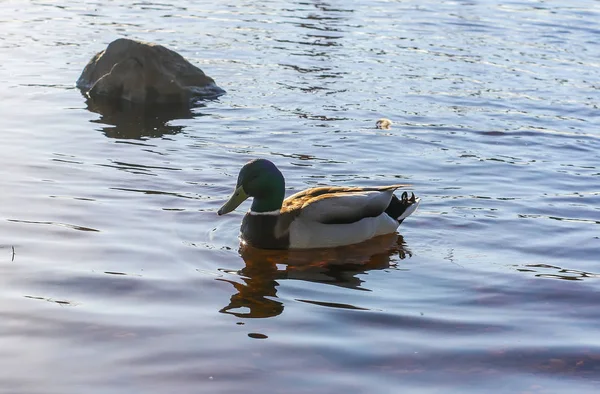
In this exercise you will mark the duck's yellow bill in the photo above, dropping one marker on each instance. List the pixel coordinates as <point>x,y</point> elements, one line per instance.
<point>238,197</point>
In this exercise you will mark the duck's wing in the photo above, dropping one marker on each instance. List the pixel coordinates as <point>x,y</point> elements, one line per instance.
<point>339,205</point>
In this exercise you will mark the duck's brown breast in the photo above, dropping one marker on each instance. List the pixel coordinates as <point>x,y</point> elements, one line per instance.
<point>259,231</point>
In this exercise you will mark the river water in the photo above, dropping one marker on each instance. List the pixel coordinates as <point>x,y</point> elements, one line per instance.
<point>117,275</point>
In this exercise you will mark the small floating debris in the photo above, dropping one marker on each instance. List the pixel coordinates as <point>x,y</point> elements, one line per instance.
<point>383,124</point>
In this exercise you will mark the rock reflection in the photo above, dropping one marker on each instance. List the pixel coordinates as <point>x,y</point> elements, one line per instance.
<point>256,297</point>
<point>126,120</point>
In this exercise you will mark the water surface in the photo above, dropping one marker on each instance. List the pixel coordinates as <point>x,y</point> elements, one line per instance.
<point>117,275</point>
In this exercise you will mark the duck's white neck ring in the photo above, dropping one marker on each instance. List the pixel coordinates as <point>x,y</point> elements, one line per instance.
<point>275,212</point>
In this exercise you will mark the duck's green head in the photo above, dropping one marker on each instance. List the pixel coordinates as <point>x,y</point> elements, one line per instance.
<point>262,180</point>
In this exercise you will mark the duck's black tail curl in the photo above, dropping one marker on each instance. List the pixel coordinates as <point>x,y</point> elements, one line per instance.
<point>401,208</point>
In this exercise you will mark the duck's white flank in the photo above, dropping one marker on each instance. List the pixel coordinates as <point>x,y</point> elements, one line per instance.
<point>310,234</point>
<point>307,233</point>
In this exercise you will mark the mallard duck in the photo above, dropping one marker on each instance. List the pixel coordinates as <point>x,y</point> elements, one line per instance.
<point>319,217</point>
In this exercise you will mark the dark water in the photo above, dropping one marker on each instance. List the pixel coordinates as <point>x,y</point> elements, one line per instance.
<point>124,280</point>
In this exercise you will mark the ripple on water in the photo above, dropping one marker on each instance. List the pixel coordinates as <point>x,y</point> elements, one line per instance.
<point>118,276</point>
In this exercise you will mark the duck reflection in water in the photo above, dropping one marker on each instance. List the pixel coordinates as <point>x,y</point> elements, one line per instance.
<point>336,266</point>
<point>127,120</point>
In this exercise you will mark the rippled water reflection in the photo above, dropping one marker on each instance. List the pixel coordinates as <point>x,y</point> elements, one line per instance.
<point>118,276</point>
<point>338,266</point>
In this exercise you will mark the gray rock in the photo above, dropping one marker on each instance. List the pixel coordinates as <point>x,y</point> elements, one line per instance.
<point>145,73</point>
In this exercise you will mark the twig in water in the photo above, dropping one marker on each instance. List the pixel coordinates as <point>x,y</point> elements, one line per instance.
<point>13,255</point>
